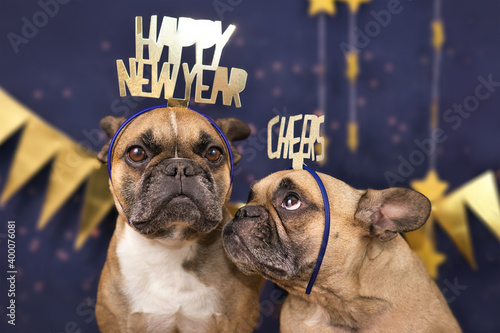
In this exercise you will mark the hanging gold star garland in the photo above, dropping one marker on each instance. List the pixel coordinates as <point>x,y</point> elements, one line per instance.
<point>72,165</point>
<point>351,73</point>
<point>321,8</point>
<point>449,211</point>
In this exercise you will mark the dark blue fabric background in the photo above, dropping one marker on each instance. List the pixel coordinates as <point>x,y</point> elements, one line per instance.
<point>67,75</point>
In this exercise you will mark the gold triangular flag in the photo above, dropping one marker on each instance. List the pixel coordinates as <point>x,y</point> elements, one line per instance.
<point>13,115</point>
<point>72,165</point>
<point>96,204</point>
<point>452,217</point>
<point>481,195</point>
<point>37,146</point>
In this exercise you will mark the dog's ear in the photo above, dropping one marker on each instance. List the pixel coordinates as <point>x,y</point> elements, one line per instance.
<point>387,212</point>
<point>234,130</point>
<point>110,125</point>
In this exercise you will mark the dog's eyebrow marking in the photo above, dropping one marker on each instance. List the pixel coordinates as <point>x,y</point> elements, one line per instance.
<point>204,140</point>
<point>174,127</point>
<point>286,183</point>
<point>150,142</point>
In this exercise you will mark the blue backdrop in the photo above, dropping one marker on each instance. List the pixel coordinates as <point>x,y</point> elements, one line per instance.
<point>65,72</point>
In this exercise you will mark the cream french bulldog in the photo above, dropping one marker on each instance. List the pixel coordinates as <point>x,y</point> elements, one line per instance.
<point>369,281</point>
<point>166,270</point>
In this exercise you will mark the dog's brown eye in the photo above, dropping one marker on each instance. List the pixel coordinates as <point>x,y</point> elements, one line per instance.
<point>291,202</point>
<point>213,154</point>
<point>137,154</point>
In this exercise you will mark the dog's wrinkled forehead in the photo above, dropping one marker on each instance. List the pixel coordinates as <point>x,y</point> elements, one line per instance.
<point>166,129</point>
<point>280,183</point>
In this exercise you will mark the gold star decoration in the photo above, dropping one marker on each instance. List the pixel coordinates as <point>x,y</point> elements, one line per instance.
<point>422,240</point>
<point>431,186</point>
<point>354,4</point>
<point>426,250</point>
<point>480,195</point>
<point>321,6</point>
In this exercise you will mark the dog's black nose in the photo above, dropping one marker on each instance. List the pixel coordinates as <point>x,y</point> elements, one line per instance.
<point>250,211</point>
<point>182,167</point>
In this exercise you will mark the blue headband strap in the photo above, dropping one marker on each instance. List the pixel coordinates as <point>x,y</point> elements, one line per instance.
<point>326,232</point>
<point>217,128</point>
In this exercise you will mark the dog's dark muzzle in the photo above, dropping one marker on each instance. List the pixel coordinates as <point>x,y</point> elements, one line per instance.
<point>251,224</point>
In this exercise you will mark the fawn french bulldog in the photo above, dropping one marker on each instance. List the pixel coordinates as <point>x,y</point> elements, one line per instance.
<point>369,281</point>
<point>166,270</point>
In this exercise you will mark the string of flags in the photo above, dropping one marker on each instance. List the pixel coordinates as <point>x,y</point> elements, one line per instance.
<point>41,144</point>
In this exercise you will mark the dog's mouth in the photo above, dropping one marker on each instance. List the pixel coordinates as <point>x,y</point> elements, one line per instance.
<point>177,216</point>
<point>168,206</point>
<point>239,253</point>
<point>248,261</point>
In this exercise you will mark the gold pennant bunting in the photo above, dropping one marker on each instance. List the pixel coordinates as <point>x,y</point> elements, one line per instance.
<point>98,201</point>
<point>479,194</point>
<point>40,143</point>
<point>69,170</point>
<point>13,116</point>
<point>452,216</point>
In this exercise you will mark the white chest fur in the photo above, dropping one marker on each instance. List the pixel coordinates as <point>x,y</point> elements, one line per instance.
<point>158,286</point>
